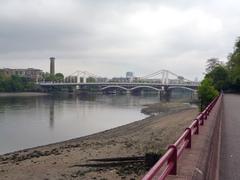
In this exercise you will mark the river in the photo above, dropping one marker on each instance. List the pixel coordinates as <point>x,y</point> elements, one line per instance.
<point>33,121</point>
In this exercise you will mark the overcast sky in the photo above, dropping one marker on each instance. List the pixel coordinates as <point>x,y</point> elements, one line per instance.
<point>110,37</point>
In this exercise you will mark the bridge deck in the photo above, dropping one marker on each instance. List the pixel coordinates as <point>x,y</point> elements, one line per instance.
<point>230,143</point>
<point>115,83</point>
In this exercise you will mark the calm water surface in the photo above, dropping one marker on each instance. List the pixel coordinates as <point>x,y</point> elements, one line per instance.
<point>32,121</point>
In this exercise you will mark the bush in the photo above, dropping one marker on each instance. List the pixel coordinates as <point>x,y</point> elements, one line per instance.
<point>206,92</point>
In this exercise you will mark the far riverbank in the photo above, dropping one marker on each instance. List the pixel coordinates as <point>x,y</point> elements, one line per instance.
<point>23,94</point>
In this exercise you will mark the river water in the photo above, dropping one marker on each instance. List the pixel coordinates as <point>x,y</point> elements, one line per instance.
<point>33,121</point>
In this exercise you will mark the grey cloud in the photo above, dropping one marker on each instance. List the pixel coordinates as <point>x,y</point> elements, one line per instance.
<point>92,34</point>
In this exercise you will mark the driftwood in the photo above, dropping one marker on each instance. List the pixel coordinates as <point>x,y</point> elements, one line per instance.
<point>148,160</point>
<point>134,158</point>
<point>109,164</point>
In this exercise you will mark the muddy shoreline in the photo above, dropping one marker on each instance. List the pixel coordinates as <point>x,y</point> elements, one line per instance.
<point>164,108</point>
<point>58,160</point>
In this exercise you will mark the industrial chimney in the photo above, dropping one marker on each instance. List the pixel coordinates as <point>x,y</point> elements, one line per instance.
<point>52,65</point>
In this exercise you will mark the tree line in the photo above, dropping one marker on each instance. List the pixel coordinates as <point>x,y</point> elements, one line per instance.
<point>53,78</point>
<point>15,84</point>
<point>221,76</point>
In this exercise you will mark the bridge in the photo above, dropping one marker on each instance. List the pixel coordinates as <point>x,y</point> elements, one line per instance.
<point>85,80</point>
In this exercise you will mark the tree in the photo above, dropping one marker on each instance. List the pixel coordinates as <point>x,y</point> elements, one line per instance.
<point>212,63</point>
<point>2,88</point>
<point>234,58</point>
<point>48,77</point>
<point>52,78</point>
<point>235,79</point>
<point>91,79</point>
<point>15,84</point>
<point>206,92</point>
<point>220,77</point>
<point>234,67</point>
<point>59,77</point>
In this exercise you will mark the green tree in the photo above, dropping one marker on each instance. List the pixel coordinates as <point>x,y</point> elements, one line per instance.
<point>91,79</point>
<point>59,77</point>
<point>235,79</point>
<point>206,92</point>
<point>220,77</point>
<point>234,67</point>
<point>15,84</point>
<point>2,88</point>
<point>48,77</point>
<point>52,78</point>
<point>234,58</point>
<point>212,63</point>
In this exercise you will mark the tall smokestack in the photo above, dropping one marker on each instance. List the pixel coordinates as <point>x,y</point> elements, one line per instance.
<point>52,65</point>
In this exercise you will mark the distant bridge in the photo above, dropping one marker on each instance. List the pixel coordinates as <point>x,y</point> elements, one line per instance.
<point>83,80</point>
<point>128,87</point>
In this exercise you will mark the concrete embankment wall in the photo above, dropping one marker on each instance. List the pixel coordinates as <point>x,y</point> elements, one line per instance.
<point>201,162</point>
<point>213,160</point>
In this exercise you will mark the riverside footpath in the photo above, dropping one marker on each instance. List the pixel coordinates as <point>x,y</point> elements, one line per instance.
<point>230,139</point>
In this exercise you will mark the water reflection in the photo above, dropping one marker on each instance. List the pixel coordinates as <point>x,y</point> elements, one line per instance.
<point>51,114</point>
<point>33,121</point>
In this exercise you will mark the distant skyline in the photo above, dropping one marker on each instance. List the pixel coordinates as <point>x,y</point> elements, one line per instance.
<point>111,37</point>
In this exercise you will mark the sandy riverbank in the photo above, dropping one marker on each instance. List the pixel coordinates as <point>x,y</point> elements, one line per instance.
<point>23,94</point>
<point>58,161</point>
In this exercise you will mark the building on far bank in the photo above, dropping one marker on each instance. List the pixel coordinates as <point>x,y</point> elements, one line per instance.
<point>130,76</point>
<point>30,73</point>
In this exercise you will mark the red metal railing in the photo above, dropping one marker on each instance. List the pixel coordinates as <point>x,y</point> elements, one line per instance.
<point>167,164</point>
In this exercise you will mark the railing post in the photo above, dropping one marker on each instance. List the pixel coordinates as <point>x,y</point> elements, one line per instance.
<point>205,115</point>
<point>209,109</point>
<point>211,106</point>
<point>173,159</point>
<point>197,126</point>
<point>202,119</point>
<point>189,137</point>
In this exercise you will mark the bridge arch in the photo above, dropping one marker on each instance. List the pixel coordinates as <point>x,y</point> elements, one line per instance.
<point>149,87</point>
<point>181,87</point>
<point>114,86</point>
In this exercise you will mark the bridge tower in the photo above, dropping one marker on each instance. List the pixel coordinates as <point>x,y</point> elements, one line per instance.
<point>165,76</point>
<point>84,77</point>
<point>78,77</point>
<point>81,74</point>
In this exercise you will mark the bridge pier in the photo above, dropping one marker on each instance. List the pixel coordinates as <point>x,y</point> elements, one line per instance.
<point>163,95</point>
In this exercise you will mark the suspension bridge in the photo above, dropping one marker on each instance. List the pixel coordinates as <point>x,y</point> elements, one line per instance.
<point>162,80</point>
